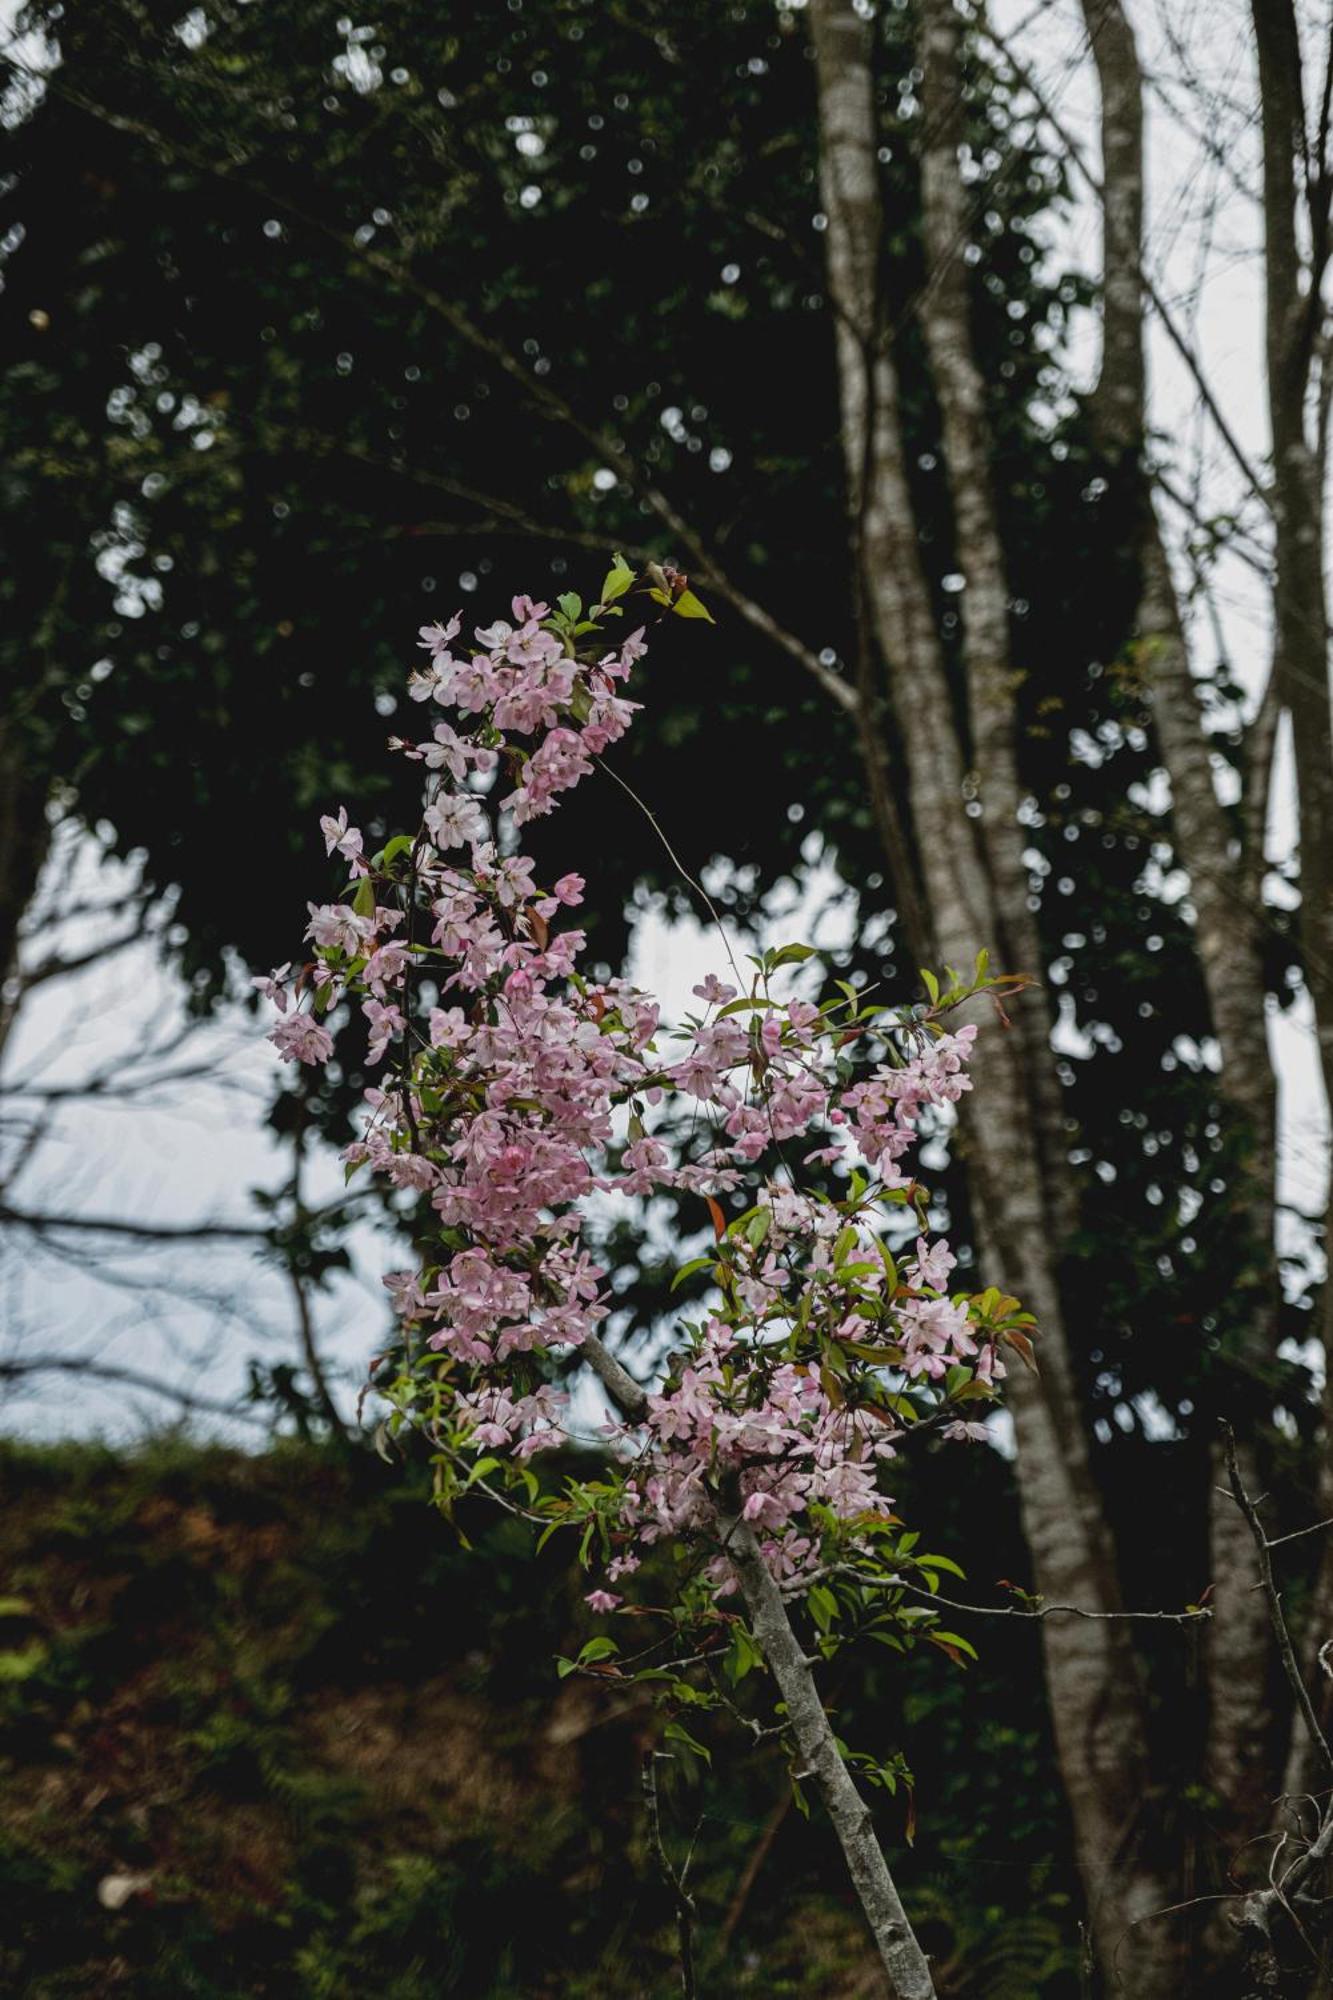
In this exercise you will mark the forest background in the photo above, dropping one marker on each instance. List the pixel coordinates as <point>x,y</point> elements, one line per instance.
<point>317,326</point>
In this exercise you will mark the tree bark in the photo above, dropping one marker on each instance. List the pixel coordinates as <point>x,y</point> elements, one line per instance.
<point>992,681</point>
<point>901,1955</point>
<point>1292,323</point>
<point>1095,1695</point>
<point>1240,1750</point>
<point>24,840</point>
<point>904,1962</point>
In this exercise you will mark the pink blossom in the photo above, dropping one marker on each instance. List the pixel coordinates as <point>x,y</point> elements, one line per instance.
<point>340,837</point>
<point>519,1088</point>
<point>713,991</point>
<point>273,987</point>
<point>454,820</point>
<point>301,1038</point>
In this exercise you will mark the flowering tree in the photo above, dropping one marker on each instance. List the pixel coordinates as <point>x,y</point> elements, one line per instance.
<point>519,1097</point>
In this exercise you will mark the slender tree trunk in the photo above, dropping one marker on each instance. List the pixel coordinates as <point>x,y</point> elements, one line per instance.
<point>1292,324</point>
<point>992,681</point>
<point>1095,1697</point>
<point>904,1962</point>
<point>901,1955</point>
<point>1241,1748</point>
<point>24,841</point>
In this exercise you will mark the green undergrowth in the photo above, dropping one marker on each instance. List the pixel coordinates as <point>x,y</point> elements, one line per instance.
<point>267,1728</point>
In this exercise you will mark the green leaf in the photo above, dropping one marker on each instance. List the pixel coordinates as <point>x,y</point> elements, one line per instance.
<point>22,1664</point>
<point>932,986</point>
<point>688,1270</point>
<point>402,843</point>
<point>758,1227</point>
<point>483,1469</point>
<point>942,1562</point>
<point>742,1656</point>
<point>955,1640</point>
<point>687,605</point>
<point>792,954</point>
<point>676,1732</point>
<point>571,604</point>
<point>363,902</point>
<point>823,1606</point>
<point>618,580</point>
<point>600,1648</point>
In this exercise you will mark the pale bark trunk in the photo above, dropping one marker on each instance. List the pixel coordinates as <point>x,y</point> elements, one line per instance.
<point>1241,1753</point>
<point>1095,1697</point>
<point>1240,1749</point>
<point>904,1962</point>
<point>992,682</point>
<point>901,1955</point>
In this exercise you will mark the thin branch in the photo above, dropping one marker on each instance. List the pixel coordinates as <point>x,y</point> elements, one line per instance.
<point>675,1880</point>
<point>1286,1651</point>
<point>146,1232</point>
<point>1315,1528</point>
<point>130,1378</point>
<point>1191,1617</point>
<point>58,966</point>
<point>305,1318</point>
<point>1093,181</point>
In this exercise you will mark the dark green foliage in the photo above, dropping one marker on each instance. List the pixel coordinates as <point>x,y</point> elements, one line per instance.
<point>273,441</point>
<point>330,1746</point>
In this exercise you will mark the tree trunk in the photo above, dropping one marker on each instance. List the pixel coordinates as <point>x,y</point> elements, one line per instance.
<point>992,681</point>
<point>900,1954</point>
<point>1095,1696</point>
<point>1240,1756</point>
<point>902,1957</point>
<point>24,840</point>
<point>1293,310</point>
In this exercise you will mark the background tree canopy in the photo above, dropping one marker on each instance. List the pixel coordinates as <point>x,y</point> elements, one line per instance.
<point>251,450</point>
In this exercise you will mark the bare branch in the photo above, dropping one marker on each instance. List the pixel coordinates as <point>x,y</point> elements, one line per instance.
<point>674,1879</point>
<point>14,1370</point>
<point>1277,1618</point>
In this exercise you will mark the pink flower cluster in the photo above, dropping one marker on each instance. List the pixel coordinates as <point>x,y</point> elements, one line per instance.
<point>516,1089</point>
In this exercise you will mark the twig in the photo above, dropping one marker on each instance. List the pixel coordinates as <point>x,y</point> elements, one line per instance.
<point>759,1854</point>
<point>676,862</point>
<point>1286,1651</point>
<point>1190,1617</point>
<point>148,1232</point>
<point>1296,1533</point>
<point>129,1378</point>
<point>680,1896</point>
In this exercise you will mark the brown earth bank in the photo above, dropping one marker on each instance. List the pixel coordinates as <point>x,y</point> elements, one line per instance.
<point>267,1727</point>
